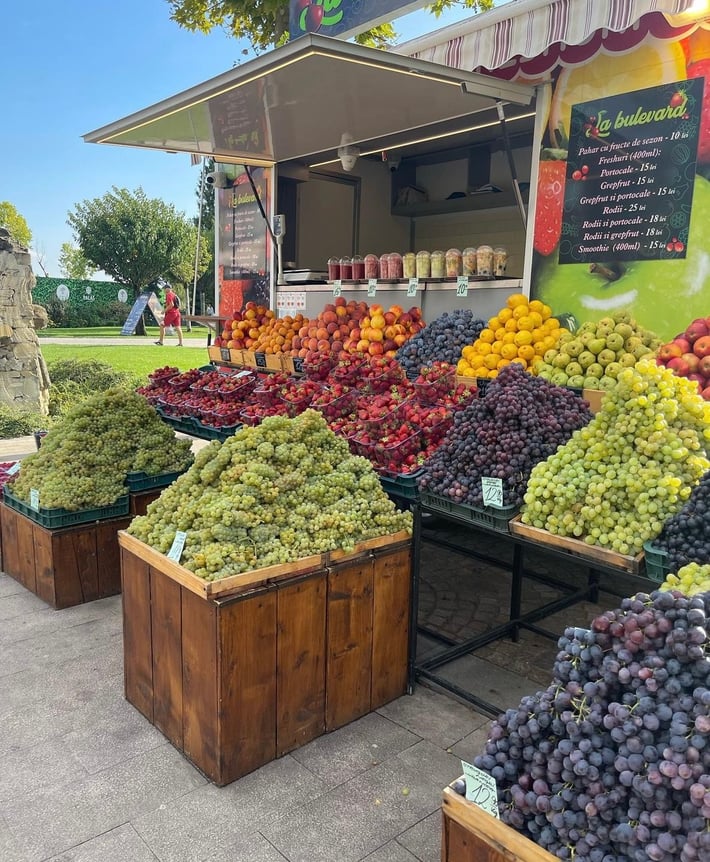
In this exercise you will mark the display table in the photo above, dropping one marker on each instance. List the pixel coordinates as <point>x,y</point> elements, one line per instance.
<point>469,834</point>
<point>238,672</point>
<point>597,562</point>
<point>64,567</point>
<point>212,322</point>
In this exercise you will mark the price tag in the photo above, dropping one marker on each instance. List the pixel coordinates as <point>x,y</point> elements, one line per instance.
<point>462,285</point>
<point>245,373</point>
<point>14,469</point>
<point>371,287</point>
<point>413,287</point>
<point>178,544</point>
<point>337,288</point>
<point>492,491</point>
<point>481,789</point>
<point>225,353</point>
<point>34,499</point>
<point>298,364</point>
<point>260,359</point>
<point>482,384</point>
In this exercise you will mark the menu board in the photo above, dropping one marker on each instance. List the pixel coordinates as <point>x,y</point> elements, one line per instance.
<point>243,233</point>
<point>630,175</point>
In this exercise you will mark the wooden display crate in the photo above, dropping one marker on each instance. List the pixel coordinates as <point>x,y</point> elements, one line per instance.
<point>138,503</point>
<point>66,566</point>
<point>591,553</point>
<point>238,672</point>
<point>264,361</point>
<point>472,835</point>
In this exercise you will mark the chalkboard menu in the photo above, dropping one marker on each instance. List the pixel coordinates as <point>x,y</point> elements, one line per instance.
<point>144,300</point>
<point>243,235</point>
<point>630,175</point>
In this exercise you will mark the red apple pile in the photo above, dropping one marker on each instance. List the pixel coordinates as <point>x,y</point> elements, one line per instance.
<point>688,355</point>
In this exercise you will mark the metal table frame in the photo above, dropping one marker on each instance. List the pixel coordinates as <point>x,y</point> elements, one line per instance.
<point>426,669</point>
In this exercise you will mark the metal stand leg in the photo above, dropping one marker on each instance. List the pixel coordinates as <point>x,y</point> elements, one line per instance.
<point>414,600</point>
<point>516,589</point>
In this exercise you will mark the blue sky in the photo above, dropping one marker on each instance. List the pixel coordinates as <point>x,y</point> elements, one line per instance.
<point>72,66</point>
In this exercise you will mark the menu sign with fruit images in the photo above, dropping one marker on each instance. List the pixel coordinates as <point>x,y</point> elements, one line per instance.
<point>630,176</point>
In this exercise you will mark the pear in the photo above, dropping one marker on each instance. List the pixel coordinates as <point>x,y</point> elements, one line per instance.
<point>604,329</point>
<point>549,356</point>
<point>591,383</point>
<point>573,369</point>
<point>587,336</point>
<point>612,370</point>
<point>574,347</point>
<point>595,370</point>
<point>614,341</point>
<point>605,357</point>
<point>586,358</point>
<point>576,381</point>
<point>561,360</point>
<point>624,330</point>
<point>559,378</point>
<point>627,360</point>
<point>607,383</point>
<point>596,345</point>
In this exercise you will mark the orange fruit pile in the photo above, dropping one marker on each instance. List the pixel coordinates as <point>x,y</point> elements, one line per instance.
<point>520,333</point>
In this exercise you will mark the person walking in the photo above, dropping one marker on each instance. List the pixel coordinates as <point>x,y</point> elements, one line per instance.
<point>171,317</point>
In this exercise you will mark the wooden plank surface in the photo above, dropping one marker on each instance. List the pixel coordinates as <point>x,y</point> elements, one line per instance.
<point>489,839</point>
<point>166,625</point>
<point>108,555</point>
<point>300,662</point>
<point>576,547</point>
<point>247,683</point>
<point>349,642</point>
<point>390,635</point>
<point>137,633</point>
<point>8,525</point>
<point>201,709</point>
<point>138,503</point>
<point>45,579</point>
<point>76,566</point>
<point>26,552</point>
<point>333,557</point>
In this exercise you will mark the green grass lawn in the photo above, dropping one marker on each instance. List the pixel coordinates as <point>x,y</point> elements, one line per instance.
<point>197,332</point>
<point>139,361</point>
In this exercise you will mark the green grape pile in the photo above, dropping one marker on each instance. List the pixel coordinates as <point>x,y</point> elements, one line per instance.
<point>691,580</point>
<point>273,493</point>
<point>84,459</point>
<point>617,480</point>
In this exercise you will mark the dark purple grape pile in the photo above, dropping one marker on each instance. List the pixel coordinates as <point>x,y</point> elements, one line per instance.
<point>686,536</point>
<point>611,763</point>
<point>442,339</point>
<point>520,421</point>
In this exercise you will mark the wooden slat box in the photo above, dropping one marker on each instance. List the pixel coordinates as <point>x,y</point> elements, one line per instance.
<point>64,567</point>
<point>472,835</point>
<point>591,553</point>
<point>236,673</point>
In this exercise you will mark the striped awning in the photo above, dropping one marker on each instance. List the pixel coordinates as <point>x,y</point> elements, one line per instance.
<point>526,29</point>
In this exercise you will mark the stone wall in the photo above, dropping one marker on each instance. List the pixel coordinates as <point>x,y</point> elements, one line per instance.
<point>24,380</point>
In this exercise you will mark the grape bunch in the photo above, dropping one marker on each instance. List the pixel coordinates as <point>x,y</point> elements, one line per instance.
<point>442,339</point>
<point>84,459</point>
<point>271,494</point>
<point>619,479</point>
<point>686,536</point>
<point>521,421</point>
<point>611,763</point>
<point>690,580</point>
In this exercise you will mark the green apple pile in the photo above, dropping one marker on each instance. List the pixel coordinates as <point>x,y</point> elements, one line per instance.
<point>84,459</point>
<point>594,356</point>
<point>271,494</point>
<point>617,480</point>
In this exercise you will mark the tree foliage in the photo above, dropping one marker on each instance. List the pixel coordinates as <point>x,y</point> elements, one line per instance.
<point>73,263</point>
<point>136,239</point>
<point>11,219</point>
<point>265,22</point>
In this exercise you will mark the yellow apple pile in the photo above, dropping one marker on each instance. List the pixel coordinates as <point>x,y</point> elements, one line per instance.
<point>521,332</point>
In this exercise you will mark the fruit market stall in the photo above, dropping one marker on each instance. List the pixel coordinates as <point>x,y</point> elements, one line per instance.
<point>263,606</point>
<point>62,510</point>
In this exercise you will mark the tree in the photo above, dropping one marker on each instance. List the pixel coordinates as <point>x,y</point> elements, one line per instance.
<point>136,239</point>
<point>15,223</point>
<point>265,22</point>
<point>73,264</point>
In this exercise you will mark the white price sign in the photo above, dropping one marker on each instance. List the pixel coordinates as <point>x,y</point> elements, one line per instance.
<point>492,491</point>
<point>372,287</point>
<point>413,287</point>
<point>14,469</point>
<point>462,285</point>
<point>337,288</point>
<point>481,788</point>
<point>34,499</point>
<point>175,551</point>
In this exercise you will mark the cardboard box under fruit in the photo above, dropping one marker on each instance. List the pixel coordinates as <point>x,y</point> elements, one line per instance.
<point>577,547</point>
<point>256,577</point>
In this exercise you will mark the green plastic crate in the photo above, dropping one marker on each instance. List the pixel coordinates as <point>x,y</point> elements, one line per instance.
<point>490,516</point>
<point>656,561</point>
<point>139,481</point>
<point>404,486</point>
<point>53,519</point>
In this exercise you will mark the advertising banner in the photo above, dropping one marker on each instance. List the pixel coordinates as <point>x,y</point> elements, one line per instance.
<point>344,18</point>
<point>623,187</point>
